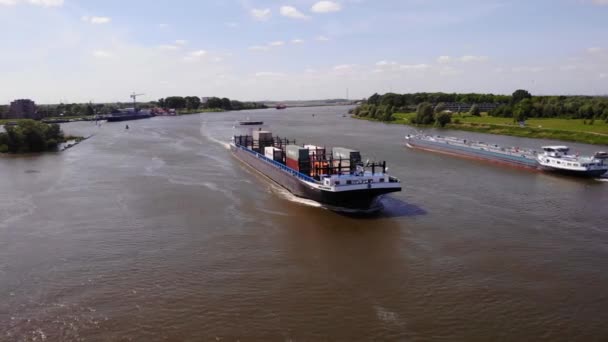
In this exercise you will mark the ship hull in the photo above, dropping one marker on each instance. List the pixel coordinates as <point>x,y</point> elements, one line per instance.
<point>364,200</point>
<point>575,173</point>
<point>127,118</point>
<point>462,152</point>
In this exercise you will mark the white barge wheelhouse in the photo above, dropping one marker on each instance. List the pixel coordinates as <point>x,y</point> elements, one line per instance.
<point>558,159</point>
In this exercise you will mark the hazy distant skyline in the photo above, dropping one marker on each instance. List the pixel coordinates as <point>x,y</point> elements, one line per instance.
<point>101,51</point>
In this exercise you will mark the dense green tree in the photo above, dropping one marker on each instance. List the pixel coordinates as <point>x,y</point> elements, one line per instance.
<point>475,110</point>
<point>161,103</point>
<point>30,136</point>
<point>442,119</point>
<point>520,94</point>
<point>374,99</point>
<point>424,114</point>
<point>192,102</point>
<point>226,105</point>
<point>175,102</point>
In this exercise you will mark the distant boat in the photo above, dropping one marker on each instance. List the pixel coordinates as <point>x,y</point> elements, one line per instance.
<point>251,123</point>
<point>280,106</point>
<point>129,115</point>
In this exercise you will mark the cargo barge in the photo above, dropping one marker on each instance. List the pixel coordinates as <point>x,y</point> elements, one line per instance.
<point>552,158</point>
<point>336,178</point>
<point>129,115</point>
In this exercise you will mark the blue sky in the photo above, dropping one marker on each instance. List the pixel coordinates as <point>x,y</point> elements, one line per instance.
<point>82,50</point>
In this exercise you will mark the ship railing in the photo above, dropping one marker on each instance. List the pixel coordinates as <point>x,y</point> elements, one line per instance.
<point>280,166</point>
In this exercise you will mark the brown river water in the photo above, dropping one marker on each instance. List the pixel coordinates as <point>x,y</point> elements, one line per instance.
<point>158,233</point>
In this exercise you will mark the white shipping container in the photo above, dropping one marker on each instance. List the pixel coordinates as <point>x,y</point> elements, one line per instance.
<point>272,152</point>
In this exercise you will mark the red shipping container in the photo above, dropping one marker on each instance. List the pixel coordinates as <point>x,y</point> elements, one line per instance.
<point>293,164</point>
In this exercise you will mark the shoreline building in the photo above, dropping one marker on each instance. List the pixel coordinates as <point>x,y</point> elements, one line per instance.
<point>22,109</point>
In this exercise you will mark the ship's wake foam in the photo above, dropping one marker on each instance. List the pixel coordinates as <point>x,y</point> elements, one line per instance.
<point>602,179</point>
<point>206,135</point>
<point>285,194</point>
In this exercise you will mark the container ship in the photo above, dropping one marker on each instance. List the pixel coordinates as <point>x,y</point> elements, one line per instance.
<point>552,158</point>
<point>336,178</point>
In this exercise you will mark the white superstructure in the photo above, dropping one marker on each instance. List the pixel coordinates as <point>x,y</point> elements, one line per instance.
<point>557,158</point>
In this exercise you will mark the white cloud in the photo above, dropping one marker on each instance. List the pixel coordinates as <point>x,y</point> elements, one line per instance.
<point>386,63</point>
<point>268,74</point>
<point>46,3</point>
<point>527,69</point>
<point>168,47</point>
<point>322,39</point>
<point>344,67</point>
<point>8,2</point>
<point>414,66</point>
<point>232,24</point>
<point>297,41</point>
<point>195,55</point>
<point>163,26</point>
<point>277,43</point>
<point>181,42</point>
<point>326,7</point>
<point>96,20</point>
<point>600,2</point>
<point>472,59</point>
<point>102,54</point>
<point>604,75</point>
<point>595,49</point>
<point>258,48</point>
<point>444,59</point>
<point>261,14</point>
<point>292,12</point>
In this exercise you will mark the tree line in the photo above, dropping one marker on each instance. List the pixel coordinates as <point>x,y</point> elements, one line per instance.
<point>519,106</point>
<point>194,102</point>
<point>30,136</point>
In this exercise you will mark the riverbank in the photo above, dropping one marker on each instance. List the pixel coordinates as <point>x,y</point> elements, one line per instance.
<point>556,129</point>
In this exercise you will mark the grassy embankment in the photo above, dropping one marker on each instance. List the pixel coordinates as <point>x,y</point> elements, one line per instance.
<point>558,129</point>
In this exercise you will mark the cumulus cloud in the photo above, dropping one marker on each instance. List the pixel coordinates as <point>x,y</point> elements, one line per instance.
<point>168,47</point>
<point>269,74</point>
<point>297,41</point>
<point>292,12</point>
<point>96,20</point>
<point>473,59</point>
<point>322,39</point>
<point>344,67</point>
<point>41,3</point>
<point>414,66</point>
<point>195,55</point>
<point>595,49</point>
<point>326,7</point>
<point>258,48</point>
<point>181,42</point>
<point>444,59</point>
<point>277,43</point>
<point>102,54</point>
<point>261,14</point>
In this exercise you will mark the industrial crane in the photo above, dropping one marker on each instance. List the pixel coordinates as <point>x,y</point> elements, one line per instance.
<point>134,97</point>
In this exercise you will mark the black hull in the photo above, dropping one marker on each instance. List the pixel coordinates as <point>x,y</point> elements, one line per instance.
<point>366,200</point>
<point>582,174</point>
<point>127,118</point>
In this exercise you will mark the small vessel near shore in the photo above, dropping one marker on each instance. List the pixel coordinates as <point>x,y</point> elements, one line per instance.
<point>336,178</point>
<point>553,159</point>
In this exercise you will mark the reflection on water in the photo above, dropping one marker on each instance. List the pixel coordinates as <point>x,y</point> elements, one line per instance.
<point>159,233</point>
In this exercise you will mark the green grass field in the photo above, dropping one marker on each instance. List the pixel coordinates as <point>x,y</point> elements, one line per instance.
<point>559,129</point>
